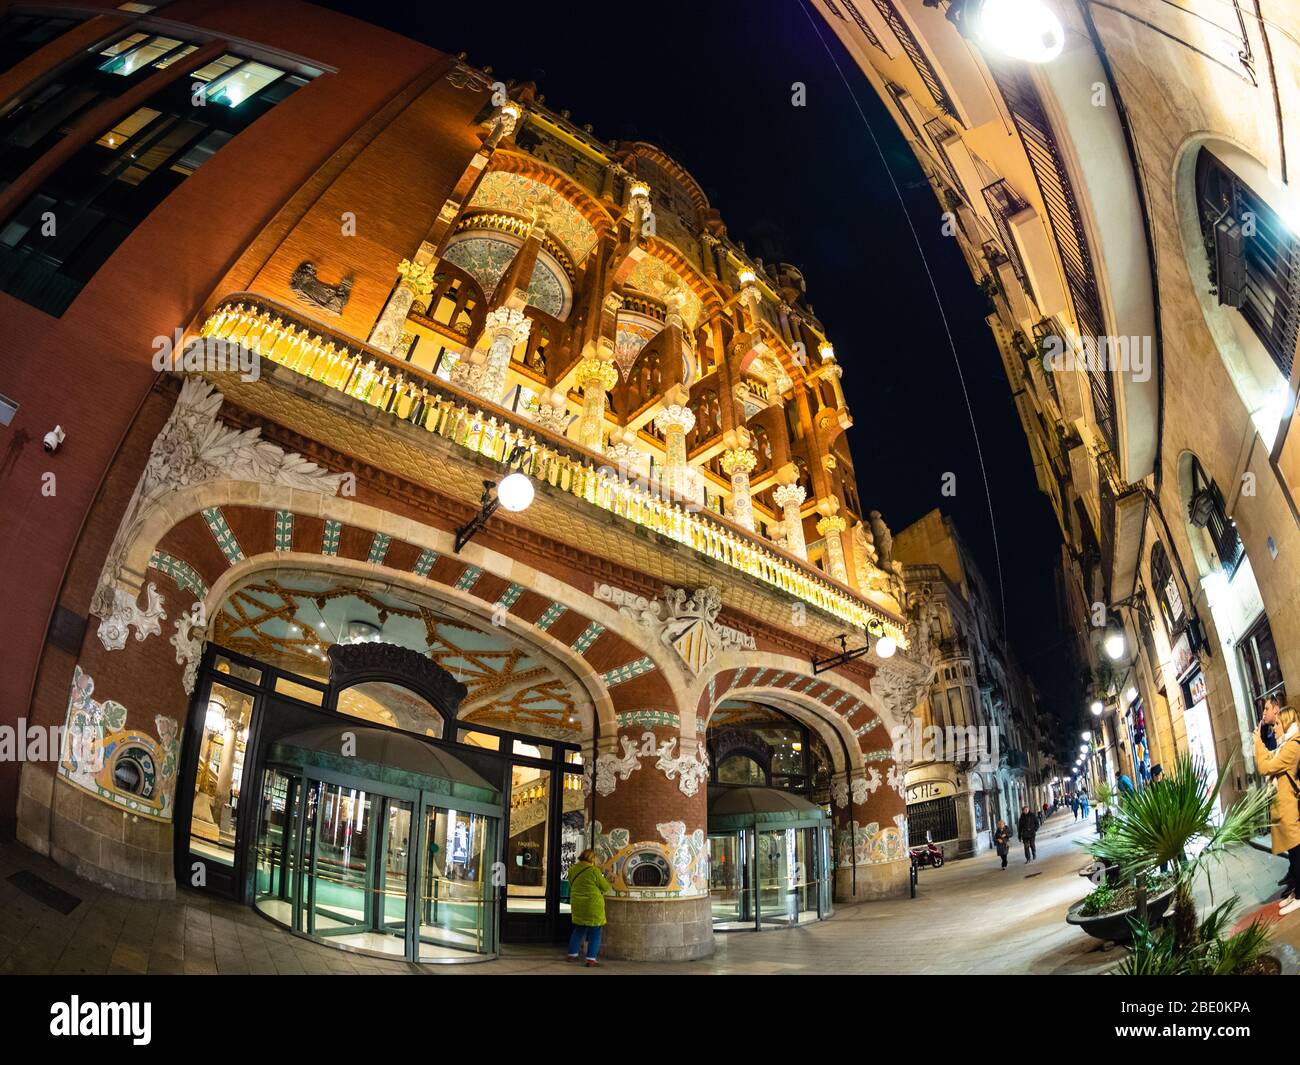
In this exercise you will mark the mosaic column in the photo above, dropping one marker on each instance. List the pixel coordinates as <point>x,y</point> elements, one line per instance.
<point>596,376</point>
<point>486,375</point>
<point>830,528</point>
<point>675,422</point>
<point>737,463</point>
<point>870,816</point>
<point>415,280</point>
<point>790,497</point>
<point>650,834</point>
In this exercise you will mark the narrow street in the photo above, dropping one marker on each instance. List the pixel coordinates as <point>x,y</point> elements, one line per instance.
<point>969,917</point>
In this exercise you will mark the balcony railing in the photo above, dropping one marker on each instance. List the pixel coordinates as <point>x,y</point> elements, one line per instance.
<point>365,373</point>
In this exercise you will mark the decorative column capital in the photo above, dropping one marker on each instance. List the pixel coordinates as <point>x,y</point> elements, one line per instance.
<point>829,505</point>
<point>418,277</point>
<point>507,118</point>
<point>789,495</point>
<point>507,321</point>
<point>832,525</point>
<point>674,301</point>
<point>597,373</point>
<point>738,460</point>
<point>675,416</point>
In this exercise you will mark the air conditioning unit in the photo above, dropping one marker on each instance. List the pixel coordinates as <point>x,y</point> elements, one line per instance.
<point>1230,262</point>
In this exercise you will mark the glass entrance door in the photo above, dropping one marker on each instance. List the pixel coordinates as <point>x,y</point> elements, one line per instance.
<point>456,901</point>
<point>378,873</point>
<point>730,881</point>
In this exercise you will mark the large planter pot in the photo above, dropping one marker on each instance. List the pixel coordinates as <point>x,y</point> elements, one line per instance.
<point>1114,926</point>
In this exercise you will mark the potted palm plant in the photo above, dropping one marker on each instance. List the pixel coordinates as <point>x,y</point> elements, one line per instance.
<point>1170,827</point>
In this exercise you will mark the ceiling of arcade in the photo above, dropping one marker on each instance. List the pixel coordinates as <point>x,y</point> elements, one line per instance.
<point>291,620</point>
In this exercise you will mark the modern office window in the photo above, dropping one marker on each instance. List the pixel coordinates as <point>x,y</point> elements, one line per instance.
<point>60,237</point>
<point>1254,257</point>
<point>22,35</point>
<point>44,118</point>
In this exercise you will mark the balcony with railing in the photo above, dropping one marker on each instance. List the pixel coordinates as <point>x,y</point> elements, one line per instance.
<point>405,393</point>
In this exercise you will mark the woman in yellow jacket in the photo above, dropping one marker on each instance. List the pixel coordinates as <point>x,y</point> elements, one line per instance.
<point>587,890</point>
<point>1283,765</point>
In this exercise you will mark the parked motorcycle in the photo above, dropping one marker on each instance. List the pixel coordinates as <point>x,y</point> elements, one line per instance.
<point>931,854</point>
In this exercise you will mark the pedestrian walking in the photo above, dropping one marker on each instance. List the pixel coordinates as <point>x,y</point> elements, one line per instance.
<point>1074,805</point>
<point>1002,841</point>
<point>587,890</point>
<point>1027,831</point>
<point>1282,765</point>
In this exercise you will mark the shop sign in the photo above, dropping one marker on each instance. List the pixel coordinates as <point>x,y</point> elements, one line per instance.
<point>1184,657</point>
<point>926,790</point>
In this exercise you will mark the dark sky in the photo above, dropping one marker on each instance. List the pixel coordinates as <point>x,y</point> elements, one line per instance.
<point>710,82</point>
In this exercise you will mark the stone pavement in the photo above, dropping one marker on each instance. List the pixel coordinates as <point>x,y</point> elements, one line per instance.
<point>968,917</point>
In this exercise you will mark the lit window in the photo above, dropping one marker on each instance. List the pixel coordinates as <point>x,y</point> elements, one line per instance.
<point>125,62</point>
<point>127,128</point>
<point>239,85</point>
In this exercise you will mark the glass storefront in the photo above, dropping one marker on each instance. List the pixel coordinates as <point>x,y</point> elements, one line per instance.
<point>362,865</point>
<point>769,859</point>
<point>384,851</point>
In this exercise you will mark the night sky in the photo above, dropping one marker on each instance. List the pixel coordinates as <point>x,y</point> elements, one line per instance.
<point>710,82</point>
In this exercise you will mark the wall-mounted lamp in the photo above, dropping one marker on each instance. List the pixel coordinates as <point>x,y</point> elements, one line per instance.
<point>514,492</point>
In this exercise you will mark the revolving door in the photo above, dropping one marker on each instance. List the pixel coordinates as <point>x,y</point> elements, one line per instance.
<point>386,852</point>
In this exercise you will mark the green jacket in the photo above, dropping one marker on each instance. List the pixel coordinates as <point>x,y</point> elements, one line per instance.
<point>587,890</point>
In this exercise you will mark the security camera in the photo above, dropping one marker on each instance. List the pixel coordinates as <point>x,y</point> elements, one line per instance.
<point>54,438</point>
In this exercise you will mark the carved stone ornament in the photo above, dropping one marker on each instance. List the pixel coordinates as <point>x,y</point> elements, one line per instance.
<point>690,771</point>
<point>311,289</point>
<point>901,691</point>
<point>188,641</point>
<point>687,622</point>
<point>192,448</point>
<point>125,613</point>
<point>463,77</point>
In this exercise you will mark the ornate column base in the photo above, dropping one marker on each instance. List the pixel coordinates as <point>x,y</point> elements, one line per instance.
<point>873,880</point>
<point>658,929</point>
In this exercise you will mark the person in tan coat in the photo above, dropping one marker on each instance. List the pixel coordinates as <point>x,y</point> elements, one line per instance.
<point>1283,765</point>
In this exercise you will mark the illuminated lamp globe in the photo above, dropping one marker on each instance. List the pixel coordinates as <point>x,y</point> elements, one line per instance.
<point>1096,708</point>
<point>1022,29</point>
<point>1115,645</point>
<point>886,646</point>
<point>515,492</point>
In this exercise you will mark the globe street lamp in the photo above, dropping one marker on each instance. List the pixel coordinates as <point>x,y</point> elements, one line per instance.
<point>1028,30</point>
<point>514,493</point>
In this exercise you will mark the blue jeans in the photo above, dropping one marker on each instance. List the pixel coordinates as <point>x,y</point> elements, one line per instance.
<point>592,934</point>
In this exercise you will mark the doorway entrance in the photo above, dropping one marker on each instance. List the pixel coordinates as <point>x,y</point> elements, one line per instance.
<point>388,856</point>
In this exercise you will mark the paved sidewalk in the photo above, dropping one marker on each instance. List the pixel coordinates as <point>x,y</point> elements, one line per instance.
<point>968,917</point>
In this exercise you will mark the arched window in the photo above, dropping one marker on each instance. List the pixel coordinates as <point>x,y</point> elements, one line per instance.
<point>1166,589</point>
<point>1253,257</point>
